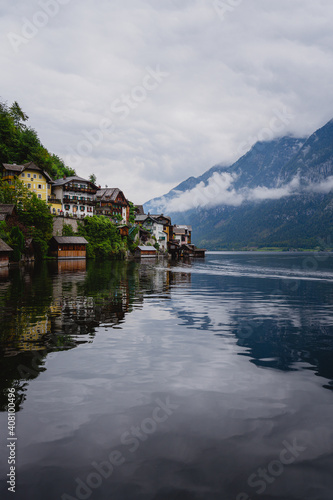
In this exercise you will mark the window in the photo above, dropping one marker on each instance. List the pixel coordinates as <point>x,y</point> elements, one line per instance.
<point>39,186</point>
<point>29,185</point>
<point>54,210</point>
<point>82,209</point>
<point>28,175</point>
<point>39,177</point>
<point>40,196</point>
<point>67,207</point>
<point>23,174</point>
<point>35,176</point>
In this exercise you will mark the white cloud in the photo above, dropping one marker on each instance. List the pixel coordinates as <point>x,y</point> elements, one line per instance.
<point>219,190</point>
<point>225,80</point>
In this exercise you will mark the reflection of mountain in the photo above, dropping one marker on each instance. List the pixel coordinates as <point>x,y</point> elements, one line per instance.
<point>276,331</point>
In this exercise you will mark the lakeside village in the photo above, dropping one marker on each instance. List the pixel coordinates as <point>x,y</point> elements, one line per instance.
<point>70,206</point>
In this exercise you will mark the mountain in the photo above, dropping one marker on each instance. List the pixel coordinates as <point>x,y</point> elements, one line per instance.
<point>277,195</point>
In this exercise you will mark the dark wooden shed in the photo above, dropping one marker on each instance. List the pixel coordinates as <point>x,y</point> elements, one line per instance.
<point>68,247</point>
<point>145,251</point>
<point>5,251</point>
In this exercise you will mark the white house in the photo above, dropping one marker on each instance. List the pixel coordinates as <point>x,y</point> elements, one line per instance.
<point>77,196</point>
<point>155,227</point>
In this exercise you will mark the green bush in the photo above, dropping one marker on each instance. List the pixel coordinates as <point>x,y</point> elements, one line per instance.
<point>104,240</point>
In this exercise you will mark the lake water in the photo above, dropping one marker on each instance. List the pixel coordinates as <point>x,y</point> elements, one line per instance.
<point>209,380</point>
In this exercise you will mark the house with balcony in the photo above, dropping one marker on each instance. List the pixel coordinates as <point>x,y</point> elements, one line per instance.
<point>153,227</point>
<point>73,197</point>
<point>167,226</point>
<point>182,234</point>
<point>34,178</point>
<point>111,202</point>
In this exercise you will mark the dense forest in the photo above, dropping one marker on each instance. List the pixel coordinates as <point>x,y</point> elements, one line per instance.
<point>20,144</point>
<point>33,221</point>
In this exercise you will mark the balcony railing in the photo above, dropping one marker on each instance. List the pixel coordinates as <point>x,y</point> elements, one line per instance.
<point>54,200</point>
<point>76,201</point>
<point>72,187</point>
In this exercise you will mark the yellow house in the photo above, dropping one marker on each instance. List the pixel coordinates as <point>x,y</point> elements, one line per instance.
<point>35,179</point>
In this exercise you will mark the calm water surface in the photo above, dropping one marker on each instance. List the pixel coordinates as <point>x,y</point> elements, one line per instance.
<point>204,380</point>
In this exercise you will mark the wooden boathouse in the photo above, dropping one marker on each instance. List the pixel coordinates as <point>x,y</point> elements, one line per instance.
<point>68,247</point>
<point>5,251</point>
<point>145,251</point>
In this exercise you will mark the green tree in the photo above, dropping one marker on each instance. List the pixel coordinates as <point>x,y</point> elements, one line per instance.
<point>103,237</point>
<point>18,115</point>
<point>132,212</point>
<point>35,215</point>
<point>67,230</point>
<point>16,241</point>
<point>20,144</point>
<point>92,178</point>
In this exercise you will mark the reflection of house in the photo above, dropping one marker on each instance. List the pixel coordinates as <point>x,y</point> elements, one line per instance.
<point>5,251</point>
<point>32,333</point>
<point>145,251</point>
<point>154,227</point>
<point>73,197</point>
<point>111,202</point>
<point>68,247</point>
<point>182,234</point>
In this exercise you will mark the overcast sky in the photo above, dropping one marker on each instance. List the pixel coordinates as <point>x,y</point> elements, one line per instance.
<point>145,94</point>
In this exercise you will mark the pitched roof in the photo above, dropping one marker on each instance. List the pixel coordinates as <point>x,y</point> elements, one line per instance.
<point>4,247</point>
<point>27,166</point>
<point>32,166</point>
<point>181,229</point>
<point>161,216</point>
<point>14,167</point>
<point>140,218</point>
<point>143,218</point>
<point>109,194</point>
<point>139,209</point>
<point>72,178</point>
<point>146,248</point>
<point>7,208</point>
<point>70,240</point>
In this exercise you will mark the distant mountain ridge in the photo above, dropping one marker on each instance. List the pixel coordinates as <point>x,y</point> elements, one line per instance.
<point>277,194</point>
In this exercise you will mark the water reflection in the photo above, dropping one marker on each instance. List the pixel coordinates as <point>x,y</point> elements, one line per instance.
<point>277,323</point>
<point>231,345</point>
<point>59,305</point>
